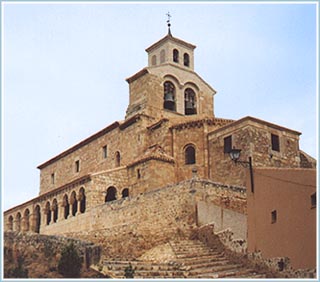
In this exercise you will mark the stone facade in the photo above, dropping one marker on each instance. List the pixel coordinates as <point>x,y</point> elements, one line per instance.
<point>107,188</point>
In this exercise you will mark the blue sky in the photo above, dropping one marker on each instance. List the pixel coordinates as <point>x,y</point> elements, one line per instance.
<point>65,65</point>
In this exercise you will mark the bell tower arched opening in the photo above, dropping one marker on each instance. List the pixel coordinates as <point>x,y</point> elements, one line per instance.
<point>169,96</point>
<point>190,102</point>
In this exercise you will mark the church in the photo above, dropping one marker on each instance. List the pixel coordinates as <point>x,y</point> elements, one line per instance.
<point>165,170</point>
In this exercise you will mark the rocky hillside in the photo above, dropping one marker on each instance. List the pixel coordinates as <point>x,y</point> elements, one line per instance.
<point>38,255</point>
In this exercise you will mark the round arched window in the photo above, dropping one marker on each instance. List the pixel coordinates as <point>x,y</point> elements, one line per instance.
<point>186,59</point>
<point>169,96</point>
<point>175,55</point>
<point>190,154</point>
<point>190,102</point>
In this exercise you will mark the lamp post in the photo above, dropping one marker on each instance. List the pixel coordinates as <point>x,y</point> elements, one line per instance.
<point>235,155</point>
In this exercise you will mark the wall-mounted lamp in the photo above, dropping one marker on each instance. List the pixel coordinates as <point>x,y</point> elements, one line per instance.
<point>235,156</point>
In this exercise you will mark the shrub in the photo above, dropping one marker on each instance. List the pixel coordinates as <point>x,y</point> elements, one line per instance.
<point>19,271</point>
<point>69,264</point>
<point>129,271</point>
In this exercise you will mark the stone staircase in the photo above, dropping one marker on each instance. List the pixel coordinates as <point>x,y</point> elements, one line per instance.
<point>193,259</point>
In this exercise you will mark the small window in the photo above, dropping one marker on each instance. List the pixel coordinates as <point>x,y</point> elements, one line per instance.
<point>77,166</point>
<point>186,60</point>
<point>138,173</point>
<point>52,178</point>
<point>313,200</point>
<point>162,56</point>
<point>154,60</point>
<point>176,56</point>
<point>118,159</point>
<point>105,151</point>
<point>190,155</point>
<point>227,144</point>
<point>111,194</point>
<point>274,216</point>
<point>275,145</point>
<point>125,193</point>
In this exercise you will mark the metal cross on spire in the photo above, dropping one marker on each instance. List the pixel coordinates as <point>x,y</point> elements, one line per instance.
<point>168,22</point>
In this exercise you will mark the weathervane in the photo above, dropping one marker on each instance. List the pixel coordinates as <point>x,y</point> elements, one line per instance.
<point>168,22</point>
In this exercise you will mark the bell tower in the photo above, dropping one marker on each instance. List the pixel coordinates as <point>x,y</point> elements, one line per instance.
<point>169,86</point>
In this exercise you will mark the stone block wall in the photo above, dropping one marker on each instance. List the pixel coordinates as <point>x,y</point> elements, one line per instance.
<point>253,137</point>
<point>130,226</point>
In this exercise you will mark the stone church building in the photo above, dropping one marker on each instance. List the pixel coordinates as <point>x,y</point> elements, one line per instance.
<point>163,170</point>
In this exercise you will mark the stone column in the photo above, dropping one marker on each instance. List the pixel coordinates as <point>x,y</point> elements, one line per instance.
<point>60,208</point>
<point>79,205</point>
<point>17,225</point>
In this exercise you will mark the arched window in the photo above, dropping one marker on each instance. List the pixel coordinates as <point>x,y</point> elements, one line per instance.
<point>48,213</point>
<point>18,222</point>
<point>37,219</point>
<point>154,60</point>
<point>186,59</point>
<point>125,193</point>
<point>118,159</point>
<point>162,56</point>
<point>82,199</point>
<point>190,102</point>
<point>169,96</point>
<point>111,194</point>
<point>55,210</point>
<point>26,223</point>
<point>175,55</point>
<point>74,203</point>
<point>10,223</point>
<point>66,206</point>
<point>190,154</point>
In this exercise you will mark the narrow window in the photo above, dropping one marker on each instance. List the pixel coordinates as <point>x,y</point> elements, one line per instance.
<point>190,155</point>
<point>275,145</point>
<point>118,159</point>
<point>162,56</point>
<point>55,210</point>
<point>175,55</point>
<point>66,206</point>
<point>48,213</point>
<point>138,173</point>
<point>77,166</point>
<point>186,60</point>
<point>274,216</point>
<point>82,198</point>
<point>104,152</point>
<point>227,144</point>
<point>313,200</point>
<point>52,178</point>
<point>154,60</point>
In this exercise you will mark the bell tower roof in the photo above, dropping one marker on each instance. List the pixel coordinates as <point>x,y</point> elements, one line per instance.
<point>172,39</point>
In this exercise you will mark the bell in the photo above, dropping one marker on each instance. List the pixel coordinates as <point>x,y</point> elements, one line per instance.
<point>168,97</point>
<point>189,105</point>
<point>190,108</point>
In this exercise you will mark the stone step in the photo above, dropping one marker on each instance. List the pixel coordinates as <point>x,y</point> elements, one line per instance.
<point>195,251</point>
<point>227,273</point>
<point>204,264</point>
<point>199,260</point>
<point>215,269</point>
<point>150,274</point>
<point>195,256</point>
<point>141,266</point>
